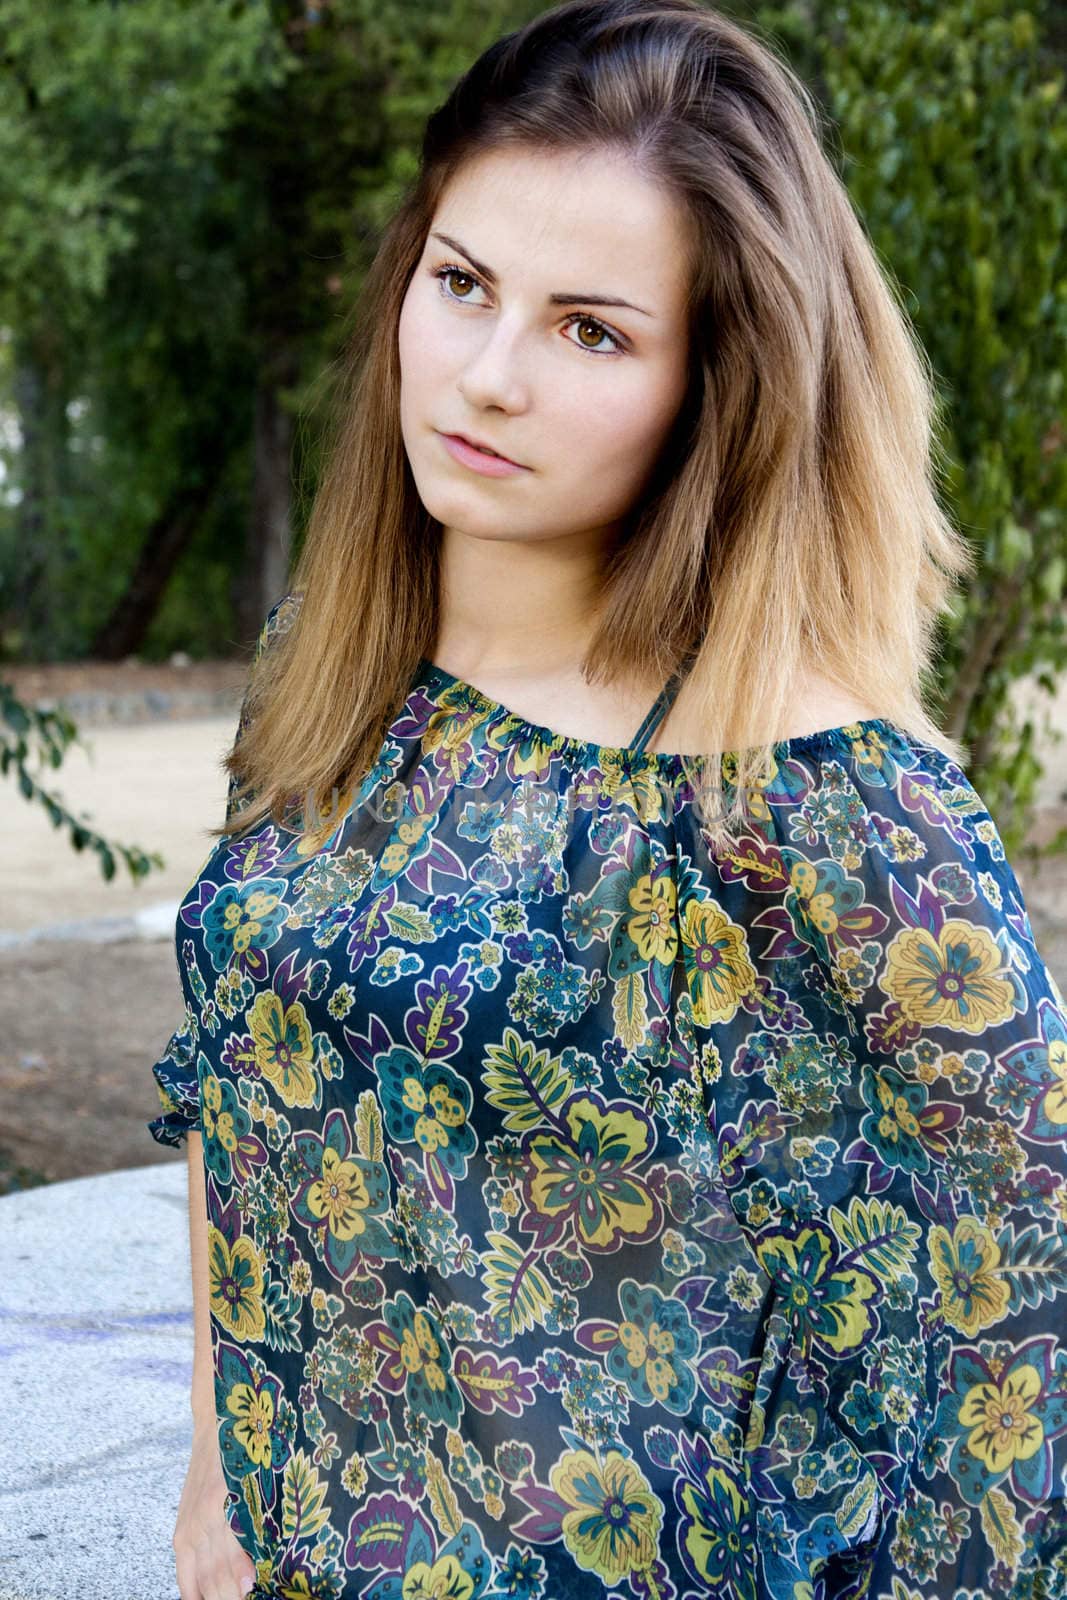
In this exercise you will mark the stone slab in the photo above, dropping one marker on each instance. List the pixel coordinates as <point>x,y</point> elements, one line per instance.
<point>96,1349</point>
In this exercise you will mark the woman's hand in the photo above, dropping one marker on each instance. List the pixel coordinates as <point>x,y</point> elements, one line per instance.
<point>210,1563</point>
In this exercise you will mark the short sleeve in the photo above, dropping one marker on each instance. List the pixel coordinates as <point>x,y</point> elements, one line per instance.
<point>887,1085</point>
<point>177,1086</point>
<point>175,1071</point>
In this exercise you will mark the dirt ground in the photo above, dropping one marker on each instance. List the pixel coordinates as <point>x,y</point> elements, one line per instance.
<point>83,1017</point>
<point>82,1024</point>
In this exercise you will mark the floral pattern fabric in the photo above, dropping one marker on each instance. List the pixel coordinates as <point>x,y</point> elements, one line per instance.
<point>593,1212</point>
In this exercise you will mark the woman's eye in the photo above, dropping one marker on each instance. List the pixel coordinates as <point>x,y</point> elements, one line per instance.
<point>446,275</point>
<point>580,320</point>
<point>443,274</point>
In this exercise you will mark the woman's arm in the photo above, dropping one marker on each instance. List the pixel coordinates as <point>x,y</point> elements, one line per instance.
<point>202,1396</point>
<point>209,1562</point>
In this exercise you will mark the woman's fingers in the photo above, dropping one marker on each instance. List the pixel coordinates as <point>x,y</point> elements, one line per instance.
<point>214,1569</point>
<point>209,1560</point>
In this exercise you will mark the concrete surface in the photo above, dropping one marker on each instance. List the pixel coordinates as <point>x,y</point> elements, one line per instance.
<point>96,1351</point>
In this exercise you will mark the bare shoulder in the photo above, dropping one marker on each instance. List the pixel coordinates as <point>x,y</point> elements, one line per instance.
<point>819,703</point>
<point>815,704</point>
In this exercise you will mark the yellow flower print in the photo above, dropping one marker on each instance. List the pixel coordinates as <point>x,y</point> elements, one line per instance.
<point>255,1414</point>
<point>282,1039</point>
<point>717,1520</point>
<point>964,1266</point>
<point>956,980</point>
<point>329,817</point>
<point>236,1285</point>
<point>594,1178</point>
<point>652,1352</point>
<point>1056,1093</point>
<point>407,835</point>
<point>354,1475</point>
<point>867,746</point>
<point>340,1196</point>
<point>444,1580</point>
<point>654,929</point>
<point>218,1124</point>
<point>420,1351</point>
<point>822,1303</point>
<point>437,1112</point>
<point>243,919</point>
<point>755,795</point>
<point>1003,1428</point>
<point>612,1526</point>
<point>716,961</point>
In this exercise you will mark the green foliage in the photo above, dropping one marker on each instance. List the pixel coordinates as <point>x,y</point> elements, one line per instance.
<point>118,283</point>
<point>97,103</point>
<point>42,737</point>
<point>950,124</point>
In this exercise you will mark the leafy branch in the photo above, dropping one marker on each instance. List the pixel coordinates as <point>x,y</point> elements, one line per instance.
<point>44,735</point>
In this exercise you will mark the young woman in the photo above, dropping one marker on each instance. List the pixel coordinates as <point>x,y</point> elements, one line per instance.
<point>619,1167</point>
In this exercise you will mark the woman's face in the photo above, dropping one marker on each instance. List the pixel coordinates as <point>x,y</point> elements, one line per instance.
<point>581,392</point>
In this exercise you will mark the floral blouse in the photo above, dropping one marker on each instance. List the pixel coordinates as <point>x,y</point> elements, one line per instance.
<point>592,1212</point>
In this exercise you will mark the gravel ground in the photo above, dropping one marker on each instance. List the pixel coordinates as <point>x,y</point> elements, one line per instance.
<point>83,1018</point>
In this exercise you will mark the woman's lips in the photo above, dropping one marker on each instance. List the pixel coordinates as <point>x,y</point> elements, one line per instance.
<point>480,460</point>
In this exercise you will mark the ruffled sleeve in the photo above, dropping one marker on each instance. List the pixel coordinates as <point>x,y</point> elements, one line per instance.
<point>177,1086</point>
<point>175,1071</point>
<point>884,1064</point>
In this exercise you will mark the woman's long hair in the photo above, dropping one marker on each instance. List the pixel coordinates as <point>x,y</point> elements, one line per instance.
<point>792,523</point>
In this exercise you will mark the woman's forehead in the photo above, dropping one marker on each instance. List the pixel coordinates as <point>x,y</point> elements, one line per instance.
<point>531,217</point>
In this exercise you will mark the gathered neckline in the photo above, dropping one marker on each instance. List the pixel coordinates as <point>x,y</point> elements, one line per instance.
<point>522,730</point>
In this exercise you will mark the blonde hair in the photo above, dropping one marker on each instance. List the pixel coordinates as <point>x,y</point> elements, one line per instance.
<point>793,519</point>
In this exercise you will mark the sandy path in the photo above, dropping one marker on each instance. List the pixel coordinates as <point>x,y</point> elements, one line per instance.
<point>156,785</point>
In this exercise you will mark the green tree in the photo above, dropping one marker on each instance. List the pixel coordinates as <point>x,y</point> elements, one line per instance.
<point>949,126</point>
<point>110,122</point>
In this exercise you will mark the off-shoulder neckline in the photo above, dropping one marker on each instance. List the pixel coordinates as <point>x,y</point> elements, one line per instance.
<point>522,730</point>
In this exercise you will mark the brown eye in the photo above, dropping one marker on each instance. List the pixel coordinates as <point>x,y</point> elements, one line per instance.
<point>599,331</point>
<point>447,277</point>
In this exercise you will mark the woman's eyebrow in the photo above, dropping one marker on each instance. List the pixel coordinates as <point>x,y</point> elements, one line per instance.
<point>560,299</point>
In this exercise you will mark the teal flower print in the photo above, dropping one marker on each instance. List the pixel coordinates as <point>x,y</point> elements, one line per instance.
<point>429,1104</point>
<point>229,1144</point>
<point>901,1128</point>
<point>243,920</point>
<point>1003,1416</point>
<point>418,1361</point>
<point>652,1350</point>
